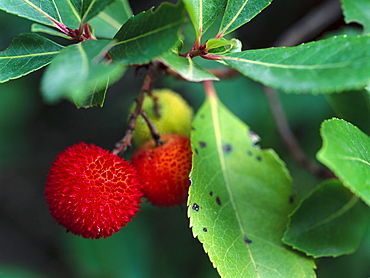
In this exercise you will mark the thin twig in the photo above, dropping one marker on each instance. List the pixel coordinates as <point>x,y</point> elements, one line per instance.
<point>224,72</point>
<point>288,137</point>
<point>121,146</point>
<point>312,24</point>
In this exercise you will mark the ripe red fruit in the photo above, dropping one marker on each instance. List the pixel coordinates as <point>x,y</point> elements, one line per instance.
<point>164,170</point>
<point>92,192</point>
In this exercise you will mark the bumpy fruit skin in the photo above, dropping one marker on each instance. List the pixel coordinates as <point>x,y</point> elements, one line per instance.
<point>92,192</point>
<point>164,170</point>
<point>176,116</point>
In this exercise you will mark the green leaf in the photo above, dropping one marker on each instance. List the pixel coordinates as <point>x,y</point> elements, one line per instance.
<point>96,98</point>
<point>87,9</point>
<point>55,13</point>
<point>107,23</point>
<point>47,30</point>
<point>203,13</point>
<point>352,106</point>
<point>332,65</point>
<point>26,53</point>
<point>239,12</point>
<point>331,221</point>
<point>215,43</point>
<point>345,151</point>
<point>222,47</point>
<point>357,11</point>
<point>68,14</point>
<point>240,199</point>
<point>79,72</point>
<point>36,10</point>
<point>58,14</point>
<point>148,35</point>
<point>186,67</point>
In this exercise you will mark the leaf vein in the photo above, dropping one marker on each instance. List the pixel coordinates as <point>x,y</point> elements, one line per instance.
<point>29,55</point>
<point>235,17</point>
<point>168,26</point>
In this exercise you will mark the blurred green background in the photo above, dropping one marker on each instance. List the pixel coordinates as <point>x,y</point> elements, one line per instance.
<point>158,243</point>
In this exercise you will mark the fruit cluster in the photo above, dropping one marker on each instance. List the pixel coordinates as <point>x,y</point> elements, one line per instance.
<point>94,193</point>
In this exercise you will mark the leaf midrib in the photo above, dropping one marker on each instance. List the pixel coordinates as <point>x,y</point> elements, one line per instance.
<point>110,20</point>
<point>350,204</point>
<point>291,66</point>
<point>216,123</point>
<point>234,18</point>
<point>42,12</point>
<point>168,26</point>
<point>29,55</point>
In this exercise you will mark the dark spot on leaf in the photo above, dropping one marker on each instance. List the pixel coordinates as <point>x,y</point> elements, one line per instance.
<point>291,199</point>
<point>202,144</point>
<point>195,207</point>
<point>193,128</point>
<point>218,201</point>
<point>202,116</point>
<point>196,151</point>
<point>210,193</point>
<point>247,240</point>
<point>205,230</point>
<point>249,153</point>
<point>227,148</point>
<point>259,158</point>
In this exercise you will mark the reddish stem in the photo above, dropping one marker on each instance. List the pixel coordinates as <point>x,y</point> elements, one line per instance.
<point>209,89</point>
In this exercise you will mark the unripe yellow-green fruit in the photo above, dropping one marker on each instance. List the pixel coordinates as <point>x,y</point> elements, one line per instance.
<point>175,116</point>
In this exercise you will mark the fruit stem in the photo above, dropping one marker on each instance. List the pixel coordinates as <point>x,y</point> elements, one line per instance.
<point>121,146</point>
<point>153,129</point>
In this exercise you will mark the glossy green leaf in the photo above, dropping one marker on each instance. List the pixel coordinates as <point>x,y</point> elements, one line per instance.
<point>107,23</point>
<point>331,221</point>
<point>36,10</point>
<point>239,12</point>
<point>186,67</point>
<point>148,35</point>
<point>215,43</point>
<point>332,65</point>
<point>69,15</point>
<point>80,72</point>
<point>53,13</point>
<point>346,151</point>
<point>240,199</point>
<point>47,30</point>
<point>222,47</point>
<point>95,98</point>
<point>87,9</point>
<point>357,11</point>
<point>26,53</point>
<point>203,13</point>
